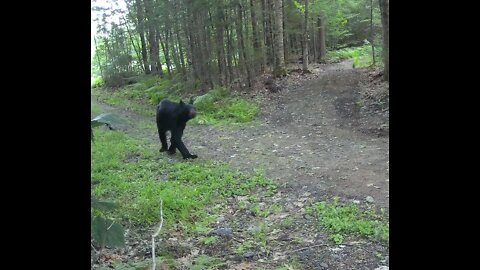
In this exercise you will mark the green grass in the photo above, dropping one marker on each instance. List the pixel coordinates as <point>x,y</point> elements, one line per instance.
<point>362,56</point>
<point>217,107</point>
<point>96,81</point>
<point>349,219</point>
<point>206,262</point>
<point>149,125</point>
<point>135,175</point>
<point>94,108</point>
<point>209,240</point>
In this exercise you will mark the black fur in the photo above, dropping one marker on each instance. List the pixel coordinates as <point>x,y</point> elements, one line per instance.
<point>173,117</point>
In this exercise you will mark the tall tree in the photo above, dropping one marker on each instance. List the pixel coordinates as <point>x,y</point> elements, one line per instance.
<point>156,66</point>
<point>322,50</point>
<point>384,9</point>
<point>220,28</point>
<point>141,31</point>
<point>372,34</point>
<point>305,39</point>
<point>267,6</point>
<point>279,68</point>
<point>256,39</point>
<point>241,44</point>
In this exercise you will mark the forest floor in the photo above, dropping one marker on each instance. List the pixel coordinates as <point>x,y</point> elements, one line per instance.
<point>321,135</point>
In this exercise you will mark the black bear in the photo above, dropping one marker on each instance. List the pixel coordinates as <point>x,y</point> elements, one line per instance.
<point>173,117</point>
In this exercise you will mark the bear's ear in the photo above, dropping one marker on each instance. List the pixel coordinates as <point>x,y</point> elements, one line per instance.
<point>192,100</point>
<point>181,102</point>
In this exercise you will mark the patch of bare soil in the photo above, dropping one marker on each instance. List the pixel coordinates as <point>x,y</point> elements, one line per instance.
<point>325,133</point>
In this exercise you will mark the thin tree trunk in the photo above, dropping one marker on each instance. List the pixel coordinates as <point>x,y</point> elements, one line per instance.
<point>155,64</point>
<point>267,9</point>
<point>141,31</point>
<point>305,39</point>
<point>385,12</point>
<point>321,35</point>
<point>372,37</point>
<point>137,52</point>
<point>229,55</point>
<point>181,55</point>
<point>207,47</point>
<point>285,36</point>
<point>174,51</point>
<point>279,69</point>
<point>257,50</point>
<point>166,54</point>
<point>222,70</point>
<point>242,51</point>
<point>98,57</point>
<point>179,50</point>
<point>191,57</point>
<point>314,46</point>
<point>154,52</point>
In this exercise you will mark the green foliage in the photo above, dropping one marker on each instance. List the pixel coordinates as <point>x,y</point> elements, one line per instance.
<point>209,240</point>
<point>347,21</point>
<point>129,170</point>
<point>218,107</point>
<point>204,262</point>
<point>97,82</point>
<point>300,7</point>
<point>244,246</point>
<point>361,56</point>
<point>342,220</point>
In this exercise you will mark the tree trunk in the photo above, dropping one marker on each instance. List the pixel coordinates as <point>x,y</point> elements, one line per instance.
<point>257,49</point>
<point>372,34</point>
<point>384,9</point>
<point>174,51</point>
<point>154,52</point>
<point>181,55</point>
<point>285,36</point>
<point>267,7</point>
<point>279,69</point>
<point>188,23</point>
<point>305,39</point>
<point>202,51</point>
<point>141,31</point>
<point>229,55</point>
<point>242,51</point>
<point>178,50</point>
<point>222,70</point>
<point>321,39</point>
<point>137,52</point>
<point>165,53</point>
<point>98,57</point>
<point>155,64</point>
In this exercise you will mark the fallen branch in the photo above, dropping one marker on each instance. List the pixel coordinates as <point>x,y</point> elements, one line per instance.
<point>156,234</point>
